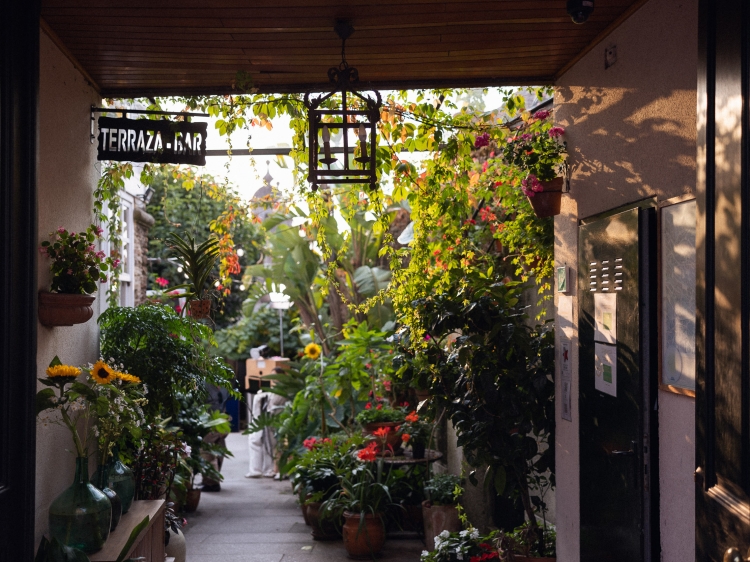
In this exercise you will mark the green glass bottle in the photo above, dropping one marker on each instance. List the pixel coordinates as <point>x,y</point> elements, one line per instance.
<point>103,482</point>
<point>122,481</point>
<point>80,517</point>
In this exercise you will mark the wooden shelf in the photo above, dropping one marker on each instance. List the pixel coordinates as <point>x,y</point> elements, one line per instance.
<point>148,541</point>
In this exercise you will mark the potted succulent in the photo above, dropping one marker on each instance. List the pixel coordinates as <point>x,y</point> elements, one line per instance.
<point>382,422</point>
<point>439,510</point>
<point>77,269</point>
<point>198,262</point>
<point>537,156</point>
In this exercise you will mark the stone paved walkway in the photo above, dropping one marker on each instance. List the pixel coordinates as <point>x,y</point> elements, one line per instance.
<point>258,520</point>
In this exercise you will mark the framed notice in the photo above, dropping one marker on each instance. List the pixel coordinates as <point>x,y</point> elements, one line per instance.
<point>605,317</point>
<point>605,368</point>
<point>677,221</point>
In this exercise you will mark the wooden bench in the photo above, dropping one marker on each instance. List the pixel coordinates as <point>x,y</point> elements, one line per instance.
<point>150,541</point>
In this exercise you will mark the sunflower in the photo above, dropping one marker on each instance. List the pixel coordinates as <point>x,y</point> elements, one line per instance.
<point>126,377</point>
<point>102,373</point>
<point>312,350</point>
<point>63,371</point>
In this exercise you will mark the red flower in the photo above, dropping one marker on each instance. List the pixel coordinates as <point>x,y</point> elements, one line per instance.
<point>382,432</point>
<point>368,406</point>
<point>405,437</point>
<point>162,282</point>
<point>412,417</point>
<point>367,455</point>
<point>309,443</point>
<point>379,407</point>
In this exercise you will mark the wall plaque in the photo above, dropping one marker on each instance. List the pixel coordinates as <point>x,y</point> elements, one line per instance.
<point>149,140</point>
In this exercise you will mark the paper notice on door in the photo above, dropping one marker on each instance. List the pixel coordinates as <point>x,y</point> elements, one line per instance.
<point>605,315</point>
<point>566,378</point>
<point>605,368</point>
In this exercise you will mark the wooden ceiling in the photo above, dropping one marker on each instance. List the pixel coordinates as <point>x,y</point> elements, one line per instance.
<point>132,48</point>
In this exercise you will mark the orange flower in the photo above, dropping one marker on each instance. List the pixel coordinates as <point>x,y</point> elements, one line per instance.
<point>412,417</point>
<point>382,432</point>
<point>405,437</point>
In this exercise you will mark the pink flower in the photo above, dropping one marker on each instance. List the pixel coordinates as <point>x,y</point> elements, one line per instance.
<point>91,248</point>
<point>482,140</point>
<point>555,132</point>
<point>98,230</point>
<point>531,185</point>
<point>43,251</point>
<point>60,229</point>
<point>70,272</point>
<point>162,282</point>
<point>101,255</point>
<point>103,280</point>
<point>542,114</point>
<point>115,262</point>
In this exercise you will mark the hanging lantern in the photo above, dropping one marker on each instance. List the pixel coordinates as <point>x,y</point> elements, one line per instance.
<point>355,119</point>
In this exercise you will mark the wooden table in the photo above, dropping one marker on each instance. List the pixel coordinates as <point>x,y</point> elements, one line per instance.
<point>150,542</point>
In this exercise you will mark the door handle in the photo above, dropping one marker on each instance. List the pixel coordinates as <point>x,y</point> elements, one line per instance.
<point>733,555</point>
<point>628,453</point>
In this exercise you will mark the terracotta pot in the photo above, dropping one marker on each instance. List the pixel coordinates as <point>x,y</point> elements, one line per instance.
<point>438,518</point>
<point>363,539</point>
<point>192,498</point>
<point>58,309</point>
<point>304,514</point>
<point>393,439</point>
<point>200,308</point>
<point>322,530</point>
<point>547,203</point>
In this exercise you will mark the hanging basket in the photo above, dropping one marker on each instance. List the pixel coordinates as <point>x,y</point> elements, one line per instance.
<point>200,308</point>
<point>59,309</point>
<point>546,203</point>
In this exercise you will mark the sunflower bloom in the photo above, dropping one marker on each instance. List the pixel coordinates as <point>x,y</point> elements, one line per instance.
<point>102,373</point>
<point>126,377</point>
<point>66,371</point>
<point>312,350</point>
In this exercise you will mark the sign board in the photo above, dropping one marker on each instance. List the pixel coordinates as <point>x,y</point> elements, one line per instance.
<point>149,140</point>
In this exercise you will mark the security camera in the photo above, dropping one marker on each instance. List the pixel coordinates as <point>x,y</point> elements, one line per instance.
<point>580,10</point>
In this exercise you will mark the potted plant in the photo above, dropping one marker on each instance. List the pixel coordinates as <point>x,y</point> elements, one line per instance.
<point>536,157</point>
<point>198,262</point>
<point>415,432</point>
<point>466,546</point>
<point>316,479</point>
<point>77,269</point>
<point>522,545</point>
<point>439,510</point>
<point>362,499</point>
<point>381,421</point>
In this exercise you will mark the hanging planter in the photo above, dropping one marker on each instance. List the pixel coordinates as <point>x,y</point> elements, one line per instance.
<point>546,203</point>
<point>200,308</point>
<point>60,309</point>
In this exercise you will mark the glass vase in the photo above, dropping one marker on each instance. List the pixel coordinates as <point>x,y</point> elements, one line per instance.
<point>122,481</point>
<point>80,517</point>
<point>103,482</point>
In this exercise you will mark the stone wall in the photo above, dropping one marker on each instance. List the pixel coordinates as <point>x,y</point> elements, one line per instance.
<point>142,223</point>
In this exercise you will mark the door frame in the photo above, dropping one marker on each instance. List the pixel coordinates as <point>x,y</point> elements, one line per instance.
<point>19,93</point>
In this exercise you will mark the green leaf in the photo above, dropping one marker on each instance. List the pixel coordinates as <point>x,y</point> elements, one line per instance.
<point>55,361</point>
<point>133,536</point>
<point>44,400</point>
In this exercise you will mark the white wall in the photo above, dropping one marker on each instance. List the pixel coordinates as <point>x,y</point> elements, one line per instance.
<point>67,177</point>
<point>631,132</point>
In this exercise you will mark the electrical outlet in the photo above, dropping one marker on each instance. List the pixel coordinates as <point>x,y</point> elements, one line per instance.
<point>610,56</point>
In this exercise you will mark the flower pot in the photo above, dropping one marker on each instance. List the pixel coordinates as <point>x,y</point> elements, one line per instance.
<point>102,482</point>
<point>546,203</point>
<point>200,308</point>
<point>304,514</point>
<point>80,517</point>
<point>438,518</point>
<point>192,498</point>
<point>122,481</point>
<point>322,529</point>
<point>393,439</point>
<point>363,539</point>
<point>59,309</point>
<point>176,547</point>
<point>418,449</point>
